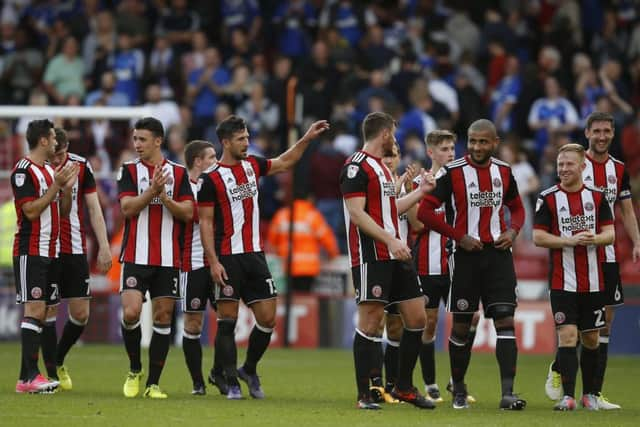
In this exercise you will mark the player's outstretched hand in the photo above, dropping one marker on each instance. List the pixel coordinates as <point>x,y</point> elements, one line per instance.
<point>104,260</point>
<point>218,273</point>
<point>400,250</point>
<point>407,177</point>
<point>470,244</point>
<point>506,239</point>
<point>316,129</point>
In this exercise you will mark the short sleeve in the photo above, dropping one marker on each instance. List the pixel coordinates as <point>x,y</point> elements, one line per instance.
<point>126,186</point>
<point>23,187</point>
<point>89,181</point>
<point>625,187</point>
<point>206,190</point>
<point>261,165</point>
<point>605,216</point>
<point>542,217</point>
<point>512,192</point>
<point>184,188</point>
<point>353,181</point>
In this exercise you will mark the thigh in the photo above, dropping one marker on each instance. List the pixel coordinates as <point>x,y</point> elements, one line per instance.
<point>31,278</point>
<point>165,283</point>
<point>405,285</point>
<point>260,285</point>
<point>464,295</point>
<point>196,289</point>
<point>500,280</point>
<point>372,281</point>
<point>135,277</point>
<point>613,294</point>
<point>436,289</point>
<point>75,276</point>
<point>591,312</point>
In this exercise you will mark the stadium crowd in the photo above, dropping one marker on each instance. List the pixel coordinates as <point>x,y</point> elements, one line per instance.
<point>535,68</point>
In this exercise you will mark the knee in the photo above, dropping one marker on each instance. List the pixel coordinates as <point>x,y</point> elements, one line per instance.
<point>267,321</point>
<point>416,319</point>
<point>567,336</point>
<point>131,314</point>
<point>79,316</point>
<point>430,329</point>
<point>193,325</point>
<point>394,328</point>
<point>590,339</point>
<point>369,322</point>
<point>502,315</point>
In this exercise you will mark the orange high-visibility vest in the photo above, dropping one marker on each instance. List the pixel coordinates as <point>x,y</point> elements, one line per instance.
<point>310,233</point>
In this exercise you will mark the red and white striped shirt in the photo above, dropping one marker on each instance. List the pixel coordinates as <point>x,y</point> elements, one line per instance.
<point>366,176</point>
<point>430,251</point>
<point>474,197</point>
<point>612,178</point>
<point>561,213</point>
<point>30,181</point>
<point>152,237</point>
<point>72,229</point>
<point>193,254</point>
<point>233,193</point>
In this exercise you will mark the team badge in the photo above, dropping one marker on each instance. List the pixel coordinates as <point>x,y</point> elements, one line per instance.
<point>352,171</point>
<point>36,292</point>
<point>170,181</point>
<point>376,291</point>
<point>249,172</point>
<point>131,282</point>
<point>462,304</point>
<point>497,182</point>
<point>588,206</point>
<point>612,179</point>
<point>20,179</point>
<point>195,303</point>
<point>227,290</point>
<point>559,317</point>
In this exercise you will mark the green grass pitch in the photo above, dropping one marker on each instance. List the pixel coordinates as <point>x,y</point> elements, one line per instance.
<point>303,387</point>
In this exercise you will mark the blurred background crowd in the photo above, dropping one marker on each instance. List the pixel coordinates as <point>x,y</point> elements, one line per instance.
<point>536,68</point>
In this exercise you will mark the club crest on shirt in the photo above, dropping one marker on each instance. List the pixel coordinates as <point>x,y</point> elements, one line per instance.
<point>497,182</point>
<point>352,171</point>
<point>612,179</point>
<point>588,206</point>
<point>249,171</point>
<point>20,177</point>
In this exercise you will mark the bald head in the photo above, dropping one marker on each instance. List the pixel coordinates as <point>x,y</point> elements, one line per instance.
<point>483,125</point>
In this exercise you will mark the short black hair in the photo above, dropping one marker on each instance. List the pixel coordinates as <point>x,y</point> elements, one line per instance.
<point>375,123</point>
<point>193,150</point>
<point>151,124</point>
<point>230,126</point>
<point>61,139</point>
<point>598,116</point>
<point>38,129</point>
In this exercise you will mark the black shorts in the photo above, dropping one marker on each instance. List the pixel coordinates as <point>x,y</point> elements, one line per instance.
<point>74,276</point>
<point>388,282</point>
<point>36,279</point>
<point>196,288</point>
<point>249,279</point>
<point>487,275</point>
<point>613,294</point>
<point>583,309</point>
<point>436,289</point>
<point>161,282</point>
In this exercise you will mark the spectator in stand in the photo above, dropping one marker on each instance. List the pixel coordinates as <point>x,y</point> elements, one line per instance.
<point>99,48</point>
<point>166,110</point>
<point>178,24</point>
<point>78,132</point>
<point>310,234</point>
<point>64,73</point>
<point>204,86</point>
<point>553,113</point>
<point>241,14</point>
<point>58,33</point>
<point>377,87</point>
<point>194,59</point>
<point>416,120</point>
<point>324,172</point>
<point>223,110</point>
<point>505,96</point>
<point>609,43</point>
<point>259,112</point>
<point>176,141</point>
<point>131,18</point>
<point>240,50</point>
<point>21,69</point>
<point>295,22</point>
<point>128,68</point>
<point>349,18</point>
<point>588,89</point>
<point>375,55</point>
<point>404,78</point>
<point>163,67</point>
<point>317,78</point>
<point>107,94</point>
<point>240,87</point>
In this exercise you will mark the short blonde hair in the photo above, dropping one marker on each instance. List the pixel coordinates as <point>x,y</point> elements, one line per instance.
<point>437,137</point>
<point>575,148</point>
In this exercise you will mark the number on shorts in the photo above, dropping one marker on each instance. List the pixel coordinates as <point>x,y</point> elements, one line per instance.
<point>54,292</point>
<point>88,282</point>
<point>272,286</point>
<point>617,295</point>
<point>175,286</point>
<point>599,314</point>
